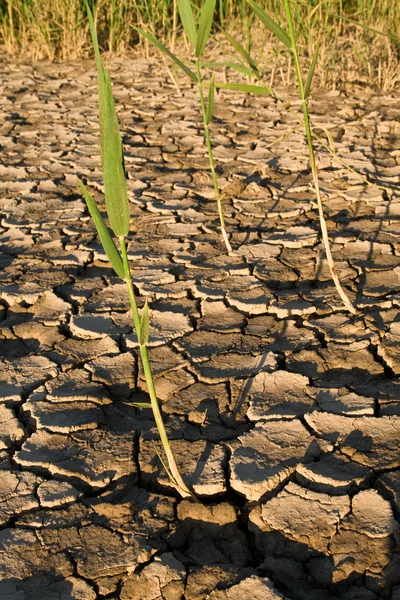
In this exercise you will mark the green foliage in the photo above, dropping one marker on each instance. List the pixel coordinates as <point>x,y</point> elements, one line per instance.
<point>311,71</point>
<point>261,90</point>
<point>232,65</point>
<point>187,20</point>
<point>244,54</point>
<point>198,38</point>
<point>100,80</point>
<point>270,24</point>
<point>118,212</point>
<point>116,194</point>
<point>108,243</point>
<point>167,52</point>
<point>138,404</point>
<point>206,20</point>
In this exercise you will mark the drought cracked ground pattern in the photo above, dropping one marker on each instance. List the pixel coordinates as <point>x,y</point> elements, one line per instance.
<point>283,410</point>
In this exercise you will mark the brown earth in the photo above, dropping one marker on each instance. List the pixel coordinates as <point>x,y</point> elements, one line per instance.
<point>283,409</point>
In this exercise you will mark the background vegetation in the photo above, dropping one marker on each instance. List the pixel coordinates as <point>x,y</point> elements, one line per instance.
<point>58,30</point>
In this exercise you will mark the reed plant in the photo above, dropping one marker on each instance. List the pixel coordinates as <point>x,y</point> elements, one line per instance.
<point>290,42</point>
<point>117,207</point>
<point>304,91</point>
<point>197,32</point>
<point>43,29</point>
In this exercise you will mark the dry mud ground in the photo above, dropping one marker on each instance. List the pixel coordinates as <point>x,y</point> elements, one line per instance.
<point>284,410</point>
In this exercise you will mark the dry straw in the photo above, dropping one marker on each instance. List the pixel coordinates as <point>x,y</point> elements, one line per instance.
<point>348,31</point>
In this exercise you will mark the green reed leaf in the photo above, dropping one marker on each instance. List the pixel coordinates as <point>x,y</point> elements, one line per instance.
<point>186,15</point>
<point>238,67</point>
<point>244,54</point>
<point>161,47</point>
<point>116,194</point>
<point>137,404</point>
<point>144,325</point>
<point>270,24</point>
<point>210,102</point>
<point>311,71</point>
<point>206,20</point>
<point>100,79</point>
<point>105,237</point>
<point>244,87</point>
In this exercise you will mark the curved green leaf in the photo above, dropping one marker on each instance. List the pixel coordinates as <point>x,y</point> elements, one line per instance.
<point>243,53</point>
<point>244,87</point>
<point>238,67</point>
<point>270,24</point>
<point>137,404</point>
<point>116,194</point>
<point>206,20</point>
<point>100,78</point>
<point>311,71</point>
<point>161,47</point>
<point>112,159</point>
<point>105,237</point>
<point>186,15</point>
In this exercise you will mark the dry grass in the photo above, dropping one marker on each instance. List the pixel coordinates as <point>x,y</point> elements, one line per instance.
<point>350,59</point>
<point>44,29</point>
<point>57,29</point>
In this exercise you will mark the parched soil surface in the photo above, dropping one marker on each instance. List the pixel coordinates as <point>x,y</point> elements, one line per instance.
<point>283,409</point>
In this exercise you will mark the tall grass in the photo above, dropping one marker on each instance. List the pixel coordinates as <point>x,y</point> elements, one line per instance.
<point>197,29</point>
<point>43,29</point>
<point>304,90</point>
<point>289,42</point>
<point>57,29</point>
<point>117,207</point>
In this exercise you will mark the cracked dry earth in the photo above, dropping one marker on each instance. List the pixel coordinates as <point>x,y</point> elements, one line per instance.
<point>283,410</point>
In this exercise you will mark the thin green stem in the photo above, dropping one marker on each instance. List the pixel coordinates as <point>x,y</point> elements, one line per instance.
<point>211,157</point>
<point>176,478</point>
<point>313,164</point>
